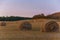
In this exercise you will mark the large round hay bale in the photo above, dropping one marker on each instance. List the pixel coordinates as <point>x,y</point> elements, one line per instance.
<point>52,26</point>
<point>26,26</point>
<point>3,23</point>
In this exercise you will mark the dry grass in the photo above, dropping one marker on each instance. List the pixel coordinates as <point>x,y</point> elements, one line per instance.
<point>6,34</point>
<point>12,32</point>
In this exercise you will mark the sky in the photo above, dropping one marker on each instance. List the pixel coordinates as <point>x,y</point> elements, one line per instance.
<point>28,8</point>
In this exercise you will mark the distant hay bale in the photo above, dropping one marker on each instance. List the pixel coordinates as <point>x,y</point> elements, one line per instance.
<point>26,26</point>
<point>52,26</point>
<point>3,23</point>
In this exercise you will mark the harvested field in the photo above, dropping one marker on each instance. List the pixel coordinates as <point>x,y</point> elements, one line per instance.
<point>11,31</point>
<point>28,35</point>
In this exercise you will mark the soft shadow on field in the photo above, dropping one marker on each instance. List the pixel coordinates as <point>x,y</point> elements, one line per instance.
<point>27,35</point>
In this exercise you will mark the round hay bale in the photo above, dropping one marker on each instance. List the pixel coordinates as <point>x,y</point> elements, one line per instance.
<point>52,26</point>
<point>3,23</point>
<point>26,26</point>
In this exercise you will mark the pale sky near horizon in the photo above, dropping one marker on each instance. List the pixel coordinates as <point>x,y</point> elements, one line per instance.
<point>28,8</point>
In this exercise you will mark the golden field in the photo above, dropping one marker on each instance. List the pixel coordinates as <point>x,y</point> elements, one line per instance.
<point>12,31</point>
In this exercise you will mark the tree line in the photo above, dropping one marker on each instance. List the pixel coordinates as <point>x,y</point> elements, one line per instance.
<point>13,18</point>
<point>16,18</point>
<point>45,17</point>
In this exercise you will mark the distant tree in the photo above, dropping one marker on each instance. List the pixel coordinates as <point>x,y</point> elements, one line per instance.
<point>39,16</point>
<point>42,14</point>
